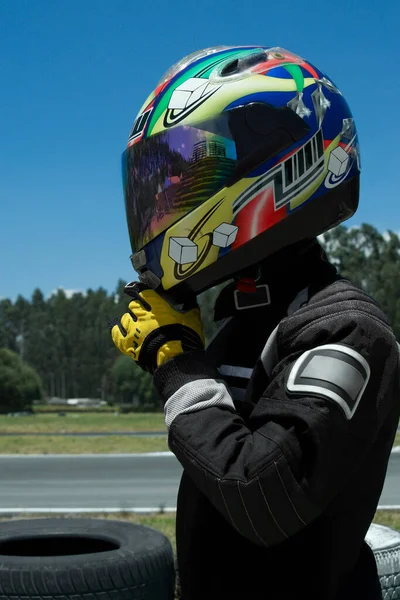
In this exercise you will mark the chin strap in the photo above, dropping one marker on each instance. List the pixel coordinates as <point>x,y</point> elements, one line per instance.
<point>246,285</point>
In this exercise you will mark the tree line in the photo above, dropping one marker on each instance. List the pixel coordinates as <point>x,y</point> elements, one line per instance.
<point>61,346</point>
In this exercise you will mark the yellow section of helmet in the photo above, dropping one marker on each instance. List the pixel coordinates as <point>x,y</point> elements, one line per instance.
<point>198,227</point>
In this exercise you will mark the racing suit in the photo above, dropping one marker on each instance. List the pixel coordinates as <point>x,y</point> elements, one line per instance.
<point>284,428</point>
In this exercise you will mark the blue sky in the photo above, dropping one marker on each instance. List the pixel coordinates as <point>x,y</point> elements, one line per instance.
<point>74,73</point>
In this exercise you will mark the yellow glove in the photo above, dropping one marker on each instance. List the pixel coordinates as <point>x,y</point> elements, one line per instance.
<point>152,331</point>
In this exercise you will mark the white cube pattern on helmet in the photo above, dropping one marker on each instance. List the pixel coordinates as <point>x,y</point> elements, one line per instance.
<point>187,93</point>
<point>224,235</point>
<point>338,161</point>
<point>182,250</point>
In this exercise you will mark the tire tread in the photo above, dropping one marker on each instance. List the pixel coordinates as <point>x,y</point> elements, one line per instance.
<point>142,568</point>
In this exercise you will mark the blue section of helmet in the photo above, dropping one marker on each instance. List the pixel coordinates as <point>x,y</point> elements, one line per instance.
<point>306,73</point>
<point>279,72</point>
<point>333,122</point>
<point>153,255</point>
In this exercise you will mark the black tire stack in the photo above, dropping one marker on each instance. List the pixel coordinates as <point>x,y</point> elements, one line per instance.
<point>97,559</point>
<point>84,559</point>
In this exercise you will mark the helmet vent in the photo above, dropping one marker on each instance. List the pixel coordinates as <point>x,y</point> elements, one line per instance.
<point>230,68</point>
<point>239,66</point>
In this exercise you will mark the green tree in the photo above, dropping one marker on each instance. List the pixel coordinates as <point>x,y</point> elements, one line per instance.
<point>7,330</point>
<point>132,385</point>
<point>371,260</point>
<point>67,339</point>
<point>19,383</point>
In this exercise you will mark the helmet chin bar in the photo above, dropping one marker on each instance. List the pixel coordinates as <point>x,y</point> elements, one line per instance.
<point>306,223</point>
<point>295,233</point>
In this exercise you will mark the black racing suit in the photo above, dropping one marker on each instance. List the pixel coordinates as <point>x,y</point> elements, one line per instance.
<point>281,484</point>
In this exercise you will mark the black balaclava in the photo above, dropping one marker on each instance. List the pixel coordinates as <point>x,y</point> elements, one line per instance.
<point>286,273</point>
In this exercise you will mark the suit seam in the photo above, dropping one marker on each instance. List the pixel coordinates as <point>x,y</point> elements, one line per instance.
<point>306,406</point>
<point>203,464</point>
<point>287,493</point>
<point>269,509</point>
<point>225,504</point>
<point>313,302</point>
<point>335,316</point>
<point>282,455</point>
<point>247,513</point>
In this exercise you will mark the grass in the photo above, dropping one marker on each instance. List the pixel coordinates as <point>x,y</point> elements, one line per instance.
<point>76,423</point>
<point>390,518</point>
<point>112,444</point>
<point>80,423</point>
<point>47,408</point>
<point>88,422</point>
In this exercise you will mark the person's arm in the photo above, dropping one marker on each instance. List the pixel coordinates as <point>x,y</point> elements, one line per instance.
<point>309,432</point>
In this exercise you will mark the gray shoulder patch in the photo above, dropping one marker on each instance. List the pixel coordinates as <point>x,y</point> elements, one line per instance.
<point>334,371</point>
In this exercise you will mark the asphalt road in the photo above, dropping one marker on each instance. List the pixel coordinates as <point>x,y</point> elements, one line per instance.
<point>109,482</point>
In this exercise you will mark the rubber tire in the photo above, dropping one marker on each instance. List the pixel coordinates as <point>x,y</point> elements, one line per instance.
<point>385,543</point>
<point>141,567</point>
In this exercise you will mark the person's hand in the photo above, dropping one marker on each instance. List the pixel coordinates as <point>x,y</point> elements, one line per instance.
<point>152,331</point>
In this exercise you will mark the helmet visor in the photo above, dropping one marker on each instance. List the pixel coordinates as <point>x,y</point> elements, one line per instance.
<point>169,174</point>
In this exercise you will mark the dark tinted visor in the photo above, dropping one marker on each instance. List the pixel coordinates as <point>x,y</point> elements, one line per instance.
<point>169,174</point>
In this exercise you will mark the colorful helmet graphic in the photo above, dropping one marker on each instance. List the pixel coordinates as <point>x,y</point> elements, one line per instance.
<point>239,152</point>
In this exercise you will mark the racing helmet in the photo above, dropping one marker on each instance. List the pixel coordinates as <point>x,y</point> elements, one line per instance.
<point>238,153</point>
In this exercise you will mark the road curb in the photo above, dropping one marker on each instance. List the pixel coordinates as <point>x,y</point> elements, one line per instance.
<point>117,510</point>
<point>395,450</point>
